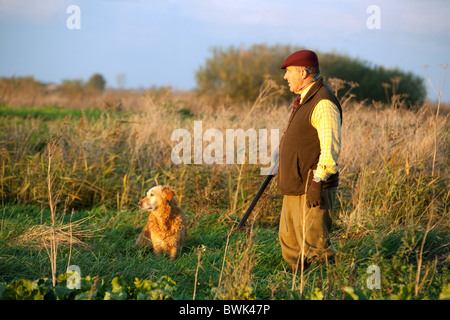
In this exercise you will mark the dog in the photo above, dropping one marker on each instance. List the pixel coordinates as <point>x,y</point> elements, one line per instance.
<point>166,224</point>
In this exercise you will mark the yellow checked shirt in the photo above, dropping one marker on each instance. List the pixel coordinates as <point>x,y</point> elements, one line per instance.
<point>327,121</point>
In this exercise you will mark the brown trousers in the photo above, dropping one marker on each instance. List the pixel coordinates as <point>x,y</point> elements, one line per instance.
<point>306,230</point>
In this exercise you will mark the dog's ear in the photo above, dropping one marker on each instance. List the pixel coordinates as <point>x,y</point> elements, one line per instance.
<point>168,192</point>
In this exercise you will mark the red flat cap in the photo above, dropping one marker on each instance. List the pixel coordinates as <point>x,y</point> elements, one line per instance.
<point>302,58</point>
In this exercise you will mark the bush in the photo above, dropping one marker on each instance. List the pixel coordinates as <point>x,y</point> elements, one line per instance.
<point>9,87</point>
<point>238,73</point>
<point>375,82</point>
<point>96,82</point>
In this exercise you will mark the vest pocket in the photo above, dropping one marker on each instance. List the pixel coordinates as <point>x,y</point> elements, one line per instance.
<point>295,174</point>
<point>290,178</point>
<point>299,169</point>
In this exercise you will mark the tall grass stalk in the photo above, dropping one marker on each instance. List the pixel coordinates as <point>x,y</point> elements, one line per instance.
<point>302,257</point>
<point>199,257</point>
<point>238,185</point>
<point>223,261</point>
<point>439,90</point>
<point>71,237</point>
<point>54,162</point>
<point>53,198</point>
<point>235,281</point>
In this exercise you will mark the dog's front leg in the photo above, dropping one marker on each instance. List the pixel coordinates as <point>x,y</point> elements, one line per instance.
<point>158,253</point>
<point>173,254</point>
<point>158,248</point>
<point>144,239</point>
<point>143,242</point>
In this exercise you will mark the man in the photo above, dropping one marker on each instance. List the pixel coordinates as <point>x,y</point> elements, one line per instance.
<point>308,174</point>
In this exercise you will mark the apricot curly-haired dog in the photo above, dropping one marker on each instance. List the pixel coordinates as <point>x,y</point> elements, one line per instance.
<point>166,224</point>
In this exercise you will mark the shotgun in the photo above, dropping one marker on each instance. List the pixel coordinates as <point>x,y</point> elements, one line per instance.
<point>273,171</point>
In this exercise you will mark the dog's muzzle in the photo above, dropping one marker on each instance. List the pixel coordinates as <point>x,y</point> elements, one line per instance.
<point>150,207</point>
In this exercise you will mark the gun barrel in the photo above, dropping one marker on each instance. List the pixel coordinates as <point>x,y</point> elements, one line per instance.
<point>272,173</point>
<point>255,200</point>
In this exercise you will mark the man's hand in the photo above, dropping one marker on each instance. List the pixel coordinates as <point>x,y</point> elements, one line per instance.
<point>313,198</point>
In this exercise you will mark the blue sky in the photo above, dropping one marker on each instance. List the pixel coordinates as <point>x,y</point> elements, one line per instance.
<point>164,42</point>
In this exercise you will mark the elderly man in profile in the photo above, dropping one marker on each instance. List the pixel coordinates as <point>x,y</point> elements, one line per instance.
<point>308,175</point>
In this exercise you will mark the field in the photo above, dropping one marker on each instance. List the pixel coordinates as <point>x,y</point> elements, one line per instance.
<point>71,177</point>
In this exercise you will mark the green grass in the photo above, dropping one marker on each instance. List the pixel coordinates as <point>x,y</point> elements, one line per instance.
<point>48,113</point>
<point>112,254</point>
<point>388,205</point>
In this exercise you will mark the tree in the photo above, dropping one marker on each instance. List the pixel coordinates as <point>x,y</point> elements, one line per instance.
<point>96,82</point>
<point>239,72</point>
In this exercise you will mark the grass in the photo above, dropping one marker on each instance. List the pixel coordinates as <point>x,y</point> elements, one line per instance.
<point>253,265</point>
<point>112,252</point>
<point>393,212</point>
<point>48,112</point>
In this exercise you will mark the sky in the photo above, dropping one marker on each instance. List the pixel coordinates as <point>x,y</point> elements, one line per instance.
<point>145,43</point>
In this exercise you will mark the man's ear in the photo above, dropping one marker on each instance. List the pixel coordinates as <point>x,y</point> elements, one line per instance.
<point>304,74</point>
<point>168,192</point>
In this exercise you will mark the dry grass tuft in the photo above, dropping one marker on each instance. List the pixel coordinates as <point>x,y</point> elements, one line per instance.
<point>65,235</point>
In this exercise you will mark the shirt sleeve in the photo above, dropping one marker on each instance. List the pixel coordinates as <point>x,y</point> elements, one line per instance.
<point>327,121</point>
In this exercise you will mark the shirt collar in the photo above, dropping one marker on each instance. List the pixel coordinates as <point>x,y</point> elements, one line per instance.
<point>306,89</point>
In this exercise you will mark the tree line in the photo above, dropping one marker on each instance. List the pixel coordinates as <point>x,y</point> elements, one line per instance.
<point>239,72</point>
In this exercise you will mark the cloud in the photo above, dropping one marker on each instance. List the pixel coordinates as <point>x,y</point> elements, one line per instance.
<point>232,12</point>
<point>418,17</point>
<point>32,9</point>
<point>283,17</point>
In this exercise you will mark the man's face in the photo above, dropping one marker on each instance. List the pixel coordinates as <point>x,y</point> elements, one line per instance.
<point>294,78</point>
